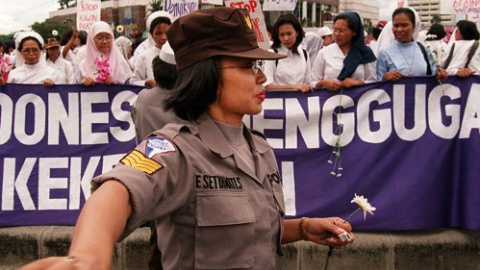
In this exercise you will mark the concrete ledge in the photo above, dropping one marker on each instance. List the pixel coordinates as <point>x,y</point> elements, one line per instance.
<point>409,250</point>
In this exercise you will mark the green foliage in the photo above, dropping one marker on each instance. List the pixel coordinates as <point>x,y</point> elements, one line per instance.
<point>6,37</point>
<point>45,28</point>
<point>67,3</point>
<point>155,5</point>
<point>436,18</point>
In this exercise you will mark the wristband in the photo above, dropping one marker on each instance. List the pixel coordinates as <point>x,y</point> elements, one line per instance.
<point>301,228</point>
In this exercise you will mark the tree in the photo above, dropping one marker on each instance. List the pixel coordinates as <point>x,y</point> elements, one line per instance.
<point>45,28</point>
<point>436,18</point>
<point>155,5</point>
<point>67,3</point>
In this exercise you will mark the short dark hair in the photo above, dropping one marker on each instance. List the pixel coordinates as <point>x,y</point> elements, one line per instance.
<point>158,21</point>
<point>376,33</point>
<point>287,19</point>
<point>345,17</point>
<point>82,35</point>
<point>195,89</point>
<point>165,73</point>
<point>468,30</point>
<point>20,46</point>
<point>407,11</point>
<point>437,30</point>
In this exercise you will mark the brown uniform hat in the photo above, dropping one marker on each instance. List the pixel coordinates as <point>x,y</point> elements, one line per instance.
<point>212,32</point>
<point>52,42</point>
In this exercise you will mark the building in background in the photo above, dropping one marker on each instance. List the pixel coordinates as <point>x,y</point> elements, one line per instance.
<point>131,14</point>
<point>429,10</point>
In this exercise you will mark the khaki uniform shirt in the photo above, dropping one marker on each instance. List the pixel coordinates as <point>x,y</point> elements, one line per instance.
<point>148,113</point>
<point>211,211</point>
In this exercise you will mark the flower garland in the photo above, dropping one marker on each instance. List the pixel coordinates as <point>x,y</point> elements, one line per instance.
<point>102,69</point>
<point>4,64</point>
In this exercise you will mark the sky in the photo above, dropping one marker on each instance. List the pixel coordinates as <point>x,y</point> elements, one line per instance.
<point>16,15</point>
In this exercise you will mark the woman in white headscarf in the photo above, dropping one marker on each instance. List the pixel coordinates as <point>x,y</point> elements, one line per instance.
<point>34,69</point>
<point>149,42</point>
<point>143,71</point>
<point>405,56</point>
<point>103,61</point>
<point>124,44</point>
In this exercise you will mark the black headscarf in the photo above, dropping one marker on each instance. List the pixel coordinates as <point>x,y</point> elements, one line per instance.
<point>359,53</point>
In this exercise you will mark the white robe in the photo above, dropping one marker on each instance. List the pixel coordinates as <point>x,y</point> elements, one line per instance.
<point>459,57</point>
<point>293,69</point>
<point>143,67</point>
<point>32,74</point>
<point>329,64</point>
<point>65,74</point>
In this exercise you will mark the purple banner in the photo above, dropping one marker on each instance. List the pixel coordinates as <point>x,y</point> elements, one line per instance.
<point>53,141</point>
<point>412,148</point>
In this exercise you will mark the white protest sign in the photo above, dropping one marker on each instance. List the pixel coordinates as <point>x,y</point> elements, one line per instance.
<point>279,5</point>
<point>460,6</point>
<point>213,2</point>
<point>179,8</point>
<point>88,12</point>
<point>258,21</point>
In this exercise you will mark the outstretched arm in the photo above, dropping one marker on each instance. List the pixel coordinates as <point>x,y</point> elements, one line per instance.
<point>99,226</point>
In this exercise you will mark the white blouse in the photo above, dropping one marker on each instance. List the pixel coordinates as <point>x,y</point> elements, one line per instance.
<point>294,69</point>
<point>329,64</point>
<point>32,74</point>
<point>65,74</point>
<point>143,66</point>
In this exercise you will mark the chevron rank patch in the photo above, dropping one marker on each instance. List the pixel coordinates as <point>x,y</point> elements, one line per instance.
<point>138,160</point>
<point>156,145</point>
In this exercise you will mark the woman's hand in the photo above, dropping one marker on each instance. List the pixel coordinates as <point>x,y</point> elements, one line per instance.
<point>2,82</point>
<point>48,83</point>
<point>110,80</point>
<point>303,87</point>
<point>393,76</point>
<point>349,82</point>
<point>464,72</point>
<point>325,231</point>
<point>88,81</point>
<point>331,85</point>
<point>61,263</point>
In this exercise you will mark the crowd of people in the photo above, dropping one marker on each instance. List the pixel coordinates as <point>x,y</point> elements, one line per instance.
<point>203,72</point>
<point>331,58</point>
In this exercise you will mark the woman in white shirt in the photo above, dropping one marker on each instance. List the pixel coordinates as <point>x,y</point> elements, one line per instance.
<point>143,71</point>
<point>292,72</point>
<point>348,62</point>
<point>63,67</point>
<point>461,59</point>
<point>34,69</point>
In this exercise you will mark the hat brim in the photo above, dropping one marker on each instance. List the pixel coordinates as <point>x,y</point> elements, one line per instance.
<point>257,53</point>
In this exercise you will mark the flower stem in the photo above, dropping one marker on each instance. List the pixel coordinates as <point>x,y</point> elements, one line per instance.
<point>351,215</point>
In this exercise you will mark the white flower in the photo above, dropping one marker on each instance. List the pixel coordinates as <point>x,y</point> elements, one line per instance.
<point>364,205</point>
<point>55,33</point>
<point>119,29</point>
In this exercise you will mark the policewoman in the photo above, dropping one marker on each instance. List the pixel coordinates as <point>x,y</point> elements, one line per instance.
<point>211,185</point>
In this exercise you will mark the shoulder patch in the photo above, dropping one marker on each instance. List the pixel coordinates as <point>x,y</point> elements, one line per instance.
<point>138,160</point>
<point>155,145</point>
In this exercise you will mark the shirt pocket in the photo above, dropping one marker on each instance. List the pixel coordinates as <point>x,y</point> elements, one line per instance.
<point>225,231</point>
